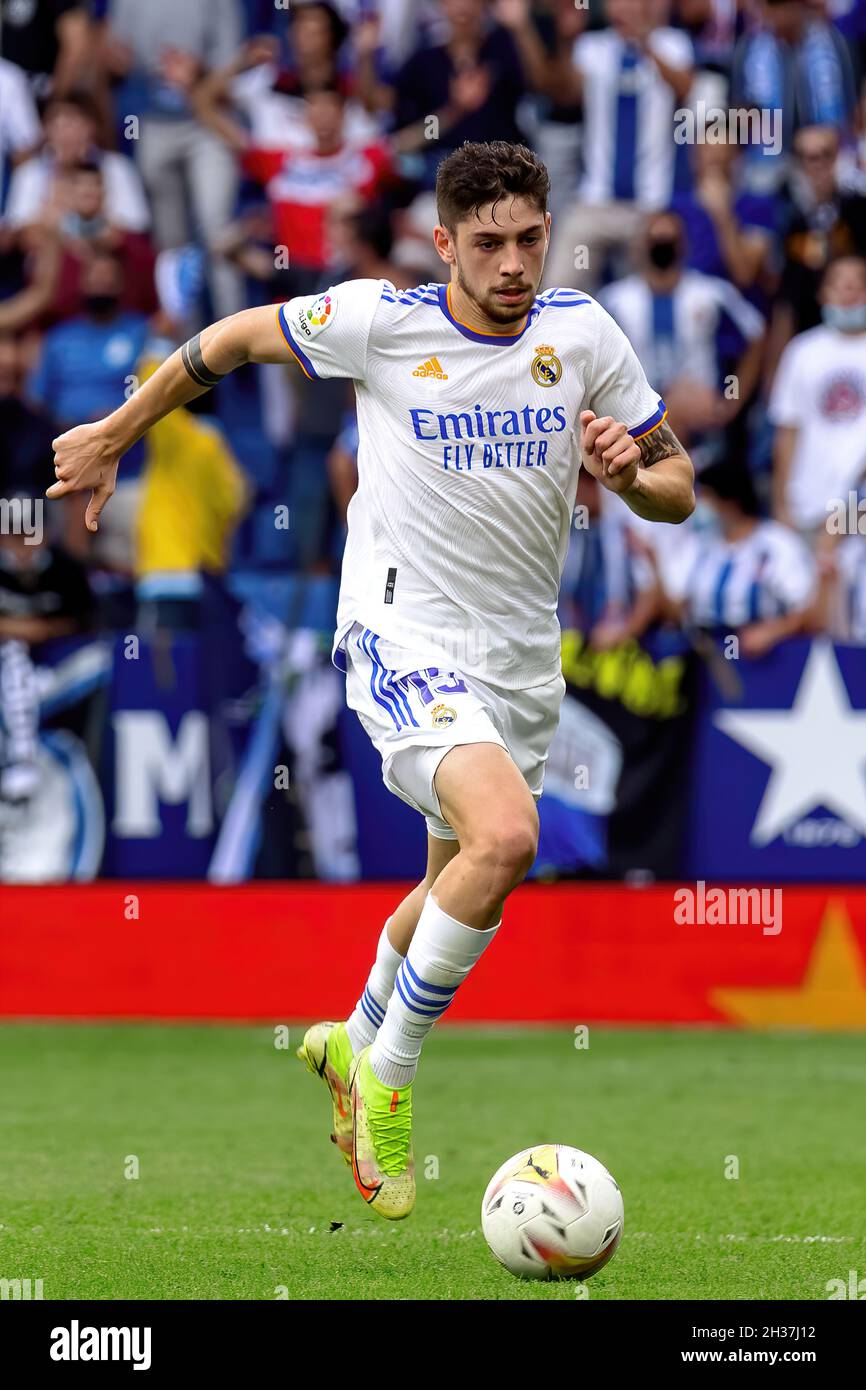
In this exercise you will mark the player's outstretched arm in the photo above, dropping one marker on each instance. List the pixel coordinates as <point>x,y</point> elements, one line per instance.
<point>653,475</point>
<point>88,455</point>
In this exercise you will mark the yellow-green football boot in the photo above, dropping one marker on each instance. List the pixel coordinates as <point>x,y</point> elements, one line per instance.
<point>382,1162</point>
<point>326,1050</point>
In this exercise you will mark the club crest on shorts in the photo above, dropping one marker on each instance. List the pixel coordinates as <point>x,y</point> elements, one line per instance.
<point>546,367</point>
<point>442,716</point>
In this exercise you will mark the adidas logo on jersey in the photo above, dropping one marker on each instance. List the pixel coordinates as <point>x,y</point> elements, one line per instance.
<point>431,368</point>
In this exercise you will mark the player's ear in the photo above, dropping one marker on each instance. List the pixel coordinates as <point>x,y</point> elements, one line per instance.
<point>442,242</point>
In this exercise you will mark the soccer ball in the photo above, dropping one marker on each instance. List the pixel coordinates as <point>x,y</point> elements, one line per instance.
<point>552,1212</point>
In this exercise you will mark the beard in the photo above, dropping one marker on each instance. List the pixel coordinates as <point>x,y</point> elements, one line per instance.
<point>493,308</point>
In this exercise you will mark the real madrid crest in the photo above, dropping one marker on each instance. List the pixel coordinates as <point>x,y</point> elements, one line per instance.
<point>442,716</point>
<point>546,367</point>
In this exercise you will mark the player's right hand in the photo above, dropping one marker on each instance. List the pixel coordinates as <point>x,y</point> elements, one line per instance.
<point>83,458</point>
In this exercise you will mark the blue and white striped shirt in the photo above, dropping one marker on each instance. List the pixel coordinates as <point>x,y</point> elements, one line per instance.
<point>727,584</point>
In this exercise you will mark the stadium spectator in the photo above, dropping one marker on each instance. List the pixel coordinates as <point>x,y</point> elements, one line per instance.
<point>50,40</point>
<point>713,26</point>
<point>162,49</point>
<point>267,92</point>
<point>674,318</point>
<point>394,29</point>
<point>44,594</point>
<point>363,244</point>
<point>70,125</point>
<point>558,137</point>
<point>631,76</point>
<point>302,184</point>
<point>26,429</point>
<point>730,231</point>
<point>840,554</point>
<point>471,85</point>
<point>845,611</point>
<point>822,220</point>
<point>85,370</point>
<point>20,131</point>
<point>28,281</point>
<point>610,589</point>
<point>818,404</point>
<point>19,718</point>
<point>193,495</point>
<point>755,578</point>
<point>794,62</point>
<point>249,241</point>
<point>87,364</point>
<point>371,65</point>
<point>84,228</point>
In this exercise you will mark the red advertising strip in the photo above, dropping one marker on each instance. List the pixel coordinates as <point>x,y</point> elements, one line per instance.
<point>566,953</point>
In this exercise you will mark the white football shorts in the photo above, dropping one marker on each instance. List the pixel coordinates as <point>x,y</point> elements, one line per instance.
<point>414,712</point>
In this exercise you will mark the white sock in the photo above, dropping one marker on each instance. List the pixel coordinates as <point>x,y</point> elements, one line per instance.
<point>370,1008</point>
<point>441,954</point>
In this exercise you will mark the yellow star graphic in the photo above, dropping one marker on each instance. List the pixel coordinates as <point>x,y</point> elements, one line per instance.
<point>832,996</point>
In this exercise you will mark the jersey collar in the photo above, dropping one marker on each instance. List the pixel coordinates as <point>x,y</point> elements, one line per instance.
<point>472,334</point>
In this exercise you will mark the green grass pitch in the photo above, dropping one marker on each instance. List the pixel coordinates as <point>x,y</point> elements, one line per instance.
<point>238,1186</point>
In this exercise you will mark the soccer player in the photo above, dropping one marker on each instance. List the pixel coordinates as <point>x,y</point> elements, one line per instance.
<point>478,401</point>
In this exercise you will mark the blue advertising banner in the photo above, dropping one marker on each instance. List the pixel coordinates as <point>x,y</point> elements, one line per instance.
<point>778,787</point>
<point>157,766</point>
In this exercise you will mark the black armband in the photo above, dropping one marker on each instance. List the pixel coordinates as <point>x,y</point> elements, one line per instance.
<point>193,361</point>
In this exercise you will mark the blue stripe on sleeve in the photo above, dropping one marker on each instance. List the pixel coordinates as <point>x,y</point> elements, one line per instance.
<point>293,346</point>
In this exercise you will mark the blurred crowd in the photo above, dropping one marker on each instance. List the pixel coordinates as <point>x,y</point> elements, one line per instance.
<point>165,164</point>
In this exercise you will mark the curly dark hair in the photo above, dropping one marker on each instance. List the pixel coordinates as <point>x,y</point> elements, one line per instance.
<point>477,174</point>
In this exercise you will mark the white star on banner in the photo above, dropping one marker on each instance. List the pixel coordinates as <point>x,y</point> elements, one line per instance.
<point>817,749</point>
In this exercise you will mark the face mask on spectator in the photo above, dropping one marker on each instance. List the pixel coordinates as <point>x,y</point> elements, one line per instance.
<point>664,254</point>
<point>101,305</point>
<point>705,518</point>
<point>847,318</point>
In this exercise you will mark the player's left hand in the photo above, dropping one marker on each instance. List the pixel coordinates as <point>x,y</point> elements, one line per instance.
<point>608,451</point>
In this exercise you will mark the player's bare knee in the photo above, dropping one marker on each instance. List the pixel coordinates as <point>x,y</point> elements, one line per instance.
<point>504,854</point>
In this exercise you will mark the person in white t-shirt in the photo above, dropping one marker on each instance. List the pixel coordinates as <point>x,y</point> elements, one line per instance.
<point>71,125</point>
<point>478,402</point>
<point>818,404</point>
<point>753,578</point>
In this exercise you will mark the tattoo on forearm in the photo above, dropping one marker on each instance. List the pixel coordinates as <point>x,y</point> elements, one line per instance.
<point>193,361</point>
<point>660,443</point>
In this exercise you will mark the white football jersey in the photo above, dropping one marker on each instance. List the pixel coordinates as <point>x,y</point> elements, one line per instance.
<point>468,456</point>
